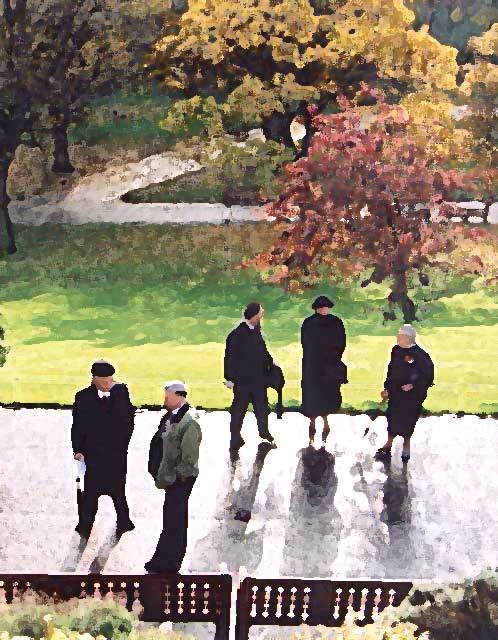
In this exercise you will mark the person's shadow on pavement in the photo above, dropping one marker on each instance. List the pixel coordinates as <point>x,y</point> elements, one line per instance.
<point>76,550</point>
<point>397,497</point>
<point>100,560</point>
<point>313,520</point>
<point>390,504</point>
<point>228,539</point>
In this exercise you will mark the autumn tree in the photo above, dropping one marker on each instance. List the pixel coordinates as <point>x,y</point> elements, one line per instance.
<point>267,60</point>
<point>361,203</point>
<point>454,22</point>
<point>480,91</point>
<point>54,56</point>
<point>20,89</point>
<point>80,52</point>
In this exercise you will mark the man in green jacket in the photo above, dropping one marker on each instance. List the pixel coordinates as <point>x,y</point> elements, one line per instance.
<point>173,463</point>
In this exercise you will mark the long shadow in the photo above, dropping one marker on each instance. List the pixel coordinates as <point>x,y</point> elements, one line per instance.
<point>390,503</point>
<point>228,541</point>
<point>76,550</point>
<point>98,563</point>
<point>314,525</point>
<point>397,498</point>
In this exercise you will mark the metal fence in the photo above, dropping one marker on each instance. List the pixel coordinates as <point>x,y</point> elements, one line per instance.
<point>292,602</point>
<point>208,598</point>
<point>153,598</point>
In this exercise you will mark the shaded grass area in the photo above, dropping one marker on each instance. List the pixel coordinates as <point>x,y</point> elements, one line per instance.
<point>125,120</point>
<point>206,185</point>
<point>159,301</point>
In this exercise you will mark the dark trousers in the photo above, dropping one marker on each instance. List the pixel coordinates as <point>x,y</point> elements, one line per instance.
<point>91,496</point>
<point>243,394</point>
<point>172,543</point>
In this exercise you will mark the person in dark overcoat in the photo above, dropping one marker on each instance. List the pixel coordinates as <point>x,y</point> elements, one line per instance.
<point>246,363</point>
<point>410,373</point>
<point>103,420</point>
<point>323,339</point>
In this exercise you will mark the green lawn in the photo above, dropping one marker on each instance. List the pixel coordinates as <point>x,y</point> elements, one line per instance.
<point>129,120</point>
<point>206,185</point>
<point>159,300</point>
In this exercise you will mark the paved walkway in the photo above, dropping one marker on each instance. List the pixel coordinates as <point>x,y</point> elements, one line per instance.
<point>293,511</point>
<point>96,199</point>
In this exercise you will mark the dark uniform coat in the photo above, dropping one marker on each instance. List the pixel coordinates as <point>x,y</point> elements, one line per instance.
<point>101,431</point>
<point>247,360</point>
<point>323,339</point>
<point>404,407</point>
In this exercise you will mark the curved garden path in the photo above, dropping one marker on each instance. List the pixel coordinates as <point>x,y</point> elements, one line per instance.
<point>96,198</point>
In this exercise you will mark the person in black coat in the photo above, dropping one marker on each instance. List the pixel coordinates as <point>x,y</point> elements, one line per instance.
<point>246,363</point>
<point>323,339</point>
<point>103,420</point>
<point>410,373</point>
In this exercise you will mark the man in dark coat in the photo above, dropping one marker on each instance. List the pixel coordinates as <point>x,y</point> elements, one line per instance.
<point>247,361</point>
<point>103,418</point>
<point>410,373</point>
<point>323,339</point>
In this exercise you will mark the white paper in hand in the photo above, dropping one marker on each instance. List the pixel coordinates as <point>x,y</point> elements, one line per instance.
<point>81,473</point>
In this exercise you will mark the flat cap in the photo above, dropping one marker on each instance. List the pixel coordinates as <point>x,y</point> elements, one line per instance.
<point>102,369</point>
<point>175,386</point>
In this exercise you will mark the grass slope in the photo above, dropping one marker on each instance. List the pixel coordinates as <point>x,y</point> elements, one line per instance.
<point>159,301</point>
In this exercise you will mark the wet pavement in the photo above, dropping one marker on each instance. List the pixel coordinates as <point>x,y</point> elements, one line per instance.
<point>291,511</point>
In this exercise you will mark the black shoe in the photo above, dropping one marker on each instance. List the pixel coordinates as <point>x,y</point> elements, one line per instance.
<point>382,454</point>
<point>152,567</point>
<point>120,529</point>
<point>405,457</point>
<point>269,438</point>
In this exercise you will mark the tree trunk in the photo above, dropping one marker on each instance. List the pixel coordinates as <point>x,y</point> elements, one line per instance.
<point>310,131</point>
<point>6,222</point>
<point>399,296</point>
<point>487,204</point>
<point>277,127</point>
<point>62,163</point>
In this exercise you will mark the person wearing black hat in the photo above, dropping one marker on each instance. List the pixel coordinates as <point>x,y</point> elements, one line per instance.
<point>246,363</point>
<point>103,420</point>
<point>323,339</point>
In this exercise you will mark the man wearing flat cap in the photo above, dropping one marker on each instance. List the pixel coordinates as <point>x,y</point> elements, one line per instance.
<point>247,362</point>
<point>323,339</point>
<point>174,465</point>
<point>103,420</point>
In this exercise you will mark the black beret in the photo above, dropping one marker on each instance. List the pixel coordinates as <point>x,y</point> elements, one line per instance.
<point>252,309</point>
<point>102,369</point>
<point>322,301</point>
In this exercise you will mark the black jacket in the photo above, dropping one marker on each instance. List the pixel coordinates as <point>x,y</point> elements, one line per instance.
<point>247,360</point>
<point>102,433</point>
<point>420,372</point>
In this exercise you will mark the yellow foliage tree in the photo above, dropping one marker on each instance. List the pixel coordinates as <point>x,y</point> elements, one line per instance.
<point>480,90</point>
<point>267,60</point>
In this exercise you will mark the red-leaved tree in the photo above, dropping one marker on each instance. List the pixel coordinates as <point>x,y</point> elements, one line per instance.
<point>361,203</point>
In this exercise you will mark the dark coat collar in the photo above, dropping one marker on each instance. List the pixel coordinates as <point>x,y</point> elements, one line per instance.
<point>176,417</point>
